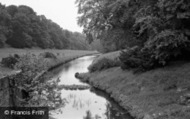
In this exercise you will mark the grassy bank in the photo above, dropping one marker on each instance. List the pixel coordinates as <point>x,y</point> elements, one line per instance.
<point>62,56</point>
<point>162,93</point>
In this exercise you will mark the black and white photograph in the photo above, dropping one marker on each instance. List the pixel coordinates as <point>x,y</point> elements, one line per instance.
<point>94,59</point>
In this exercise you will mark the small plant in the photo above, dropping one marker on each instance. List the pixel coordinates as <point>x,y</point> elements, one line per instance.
<point>48,55</point>
<point>10,61</point>
<point>102,64</point>
<point>39,89</point>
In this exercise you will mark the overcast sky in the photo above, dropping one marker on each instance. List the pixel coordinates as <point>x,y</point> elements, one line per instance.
<point>63,12</point>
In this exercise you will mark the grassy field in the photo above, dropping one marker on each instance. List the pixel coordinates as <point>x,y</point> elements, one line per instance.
<point>62,55</point>
<point>162,93</point>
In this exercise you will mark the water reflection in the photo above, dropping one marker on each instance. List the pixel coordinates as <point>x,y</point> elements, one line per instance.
<point>84,104</point>
<point>113,110</point>
<point>68,70</point>
<point>88,115</point>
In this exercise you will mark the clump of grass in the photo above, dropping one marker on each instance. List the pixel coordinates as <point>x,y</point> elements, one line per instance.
<point>103,63</point>
<point>48,55</point>
<point>10,61</point>
<point>73,87</point>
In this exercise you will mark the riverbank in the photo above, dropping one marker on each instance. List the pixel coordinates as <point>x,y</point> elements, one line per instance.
<point>39,66</point>
<point>62,56</point>
<point>162,93</point>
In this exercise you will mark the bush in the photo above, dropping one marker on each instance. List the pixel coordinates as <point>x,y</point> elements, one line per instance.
<point>136,58</point>
<point>31,62</point>
<point>10,61</point>
<point>48,55</point>
<point>164,30</point>
<point>168,45</point>
<point>165,47</point>
<point>102,64</point>
<point>41,90</point>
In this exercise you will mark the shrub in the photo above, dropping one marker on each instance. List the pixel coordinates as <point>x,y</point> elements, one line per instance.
<point>137,58</point>
<point>102,64</point>
<point>40,89</point>
<point>10,61</point>
<point>168,45</point>
<point>164,30</point>
<point>48,55</point>
<point>31,62</point>
<point>165,47</point>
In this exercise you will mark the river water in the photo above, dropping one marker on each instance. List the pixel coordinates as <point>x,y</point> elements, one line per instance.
<point>84,104</point>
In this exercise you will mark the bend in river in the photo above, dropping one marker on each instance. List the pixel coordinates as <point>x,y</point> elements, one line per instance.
<point>84,104</point>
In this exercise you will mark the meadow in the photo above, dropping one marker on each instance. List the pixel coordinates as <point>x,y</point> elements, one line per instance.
<point>61,56</point>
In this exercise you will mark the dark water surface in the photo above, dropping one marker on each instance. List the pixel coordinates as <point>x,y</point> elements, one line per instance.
<point>84,104</point>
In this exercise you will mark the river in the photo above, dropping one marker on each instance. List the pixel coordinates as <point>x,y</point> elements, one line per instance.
<point>84,104</point>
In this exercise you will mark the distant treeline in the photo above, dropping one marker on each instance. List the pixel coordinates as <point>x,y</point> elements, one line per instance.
<point>21,27</point>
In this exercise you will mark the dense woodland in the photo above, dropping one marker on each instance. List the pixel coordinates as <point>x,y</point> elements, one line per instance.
<point>21,27</point>
<point>153,32</point>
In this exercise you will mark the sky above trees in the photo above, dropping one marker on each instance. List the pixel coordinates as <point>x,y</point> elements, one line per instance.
<point>63,12</point>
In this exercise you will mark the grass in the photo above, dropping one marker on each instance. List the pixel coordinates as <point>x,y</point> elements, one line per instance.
<point>105,61</point>
<point>157,94</point>
<point>102,64</point>
<point>61,53</point>
<point>111,56</point>
<point>73,87</point>
<point>61,56</point>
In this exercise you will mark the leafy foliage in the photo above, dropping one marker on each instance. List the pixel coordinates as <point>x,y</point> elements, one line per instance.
<point>21,27</point>
<point>168,45</point>
<point>10,61</point>
<point>31,62</point>
<point>39,91</point>
<point>154,32</point>
<point>4,24</point>
<point>107,20</point>
<point>164,30</point>
<point>136,58</point>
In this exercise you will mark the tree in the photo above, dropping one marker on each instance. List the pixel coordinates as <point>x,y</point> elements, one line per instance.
<point>105,19</point>
<point>21,27</point>
<point>12,10</point>
<point>4,25</point>
<point>164,29</point>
